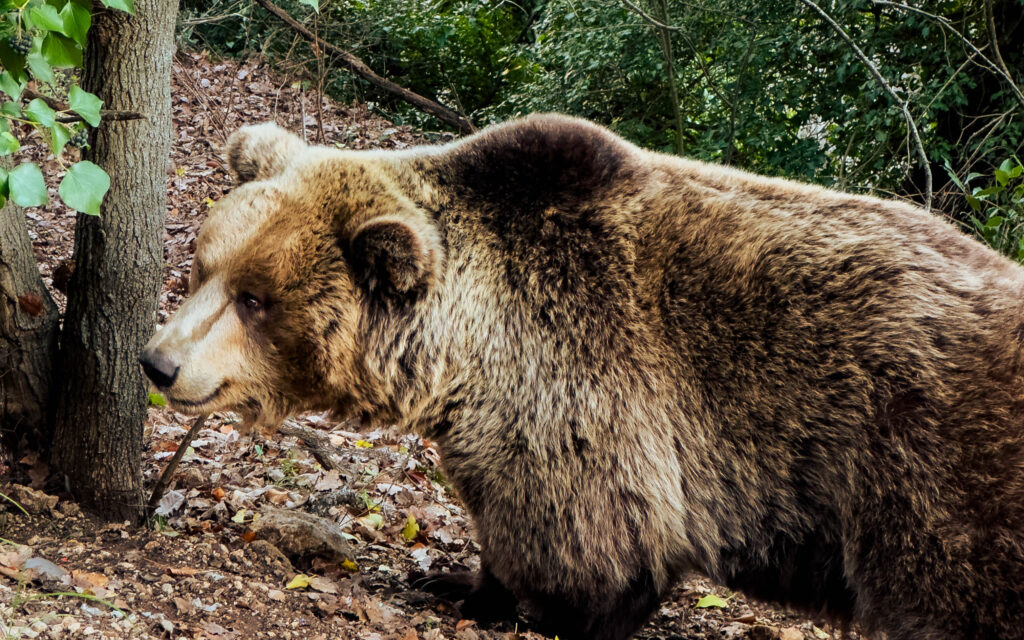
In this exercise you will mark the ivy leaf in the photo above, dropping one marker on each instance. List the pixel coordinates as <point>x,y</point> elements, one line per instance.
<point>85,104</point>
<point>712,601</point>
<point>61,52</point>
<point>76,22</point>
<point>312,3</point>
<point>46,17</point>
<point>10,86</point>
<point>39,111</point>
<point>11,109</point>
<point>8,144</point>
<point>59,136</point>
<point>28,189</point>
<point>83,187</point>
<point>128,6</point>
<point>39,67</point>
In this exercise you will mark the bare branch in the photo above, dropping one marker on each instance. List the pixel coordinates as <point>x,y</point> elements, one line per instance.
<point>648,17</point>
<point>106,114</point>
<point>994,39</point>
<point>704,71</point>
<point>1000,69</point>
<point>359,68</point>
<point>911,125</point>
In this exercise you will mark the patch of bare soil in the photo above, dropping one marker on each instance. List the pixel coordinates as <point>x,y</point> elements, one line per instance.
<point>257,538</point>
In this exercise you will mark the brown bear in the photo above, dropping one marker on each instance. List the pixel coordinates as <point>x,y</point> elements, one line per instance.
<point>636,365</point>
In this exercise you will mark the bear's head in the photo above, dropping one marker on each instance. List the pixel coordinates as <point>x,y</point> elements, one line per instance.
<point>291,269</point>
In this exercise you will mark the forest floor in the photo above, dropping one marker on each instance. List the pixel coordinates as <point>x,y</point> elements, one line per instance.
<point>223,560</point>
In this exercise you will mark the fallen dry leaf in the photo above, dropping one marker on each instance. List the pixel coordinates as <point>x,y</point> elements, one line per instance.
<point>276,496</point>
<point>89,580</point>
<point>183,571</point>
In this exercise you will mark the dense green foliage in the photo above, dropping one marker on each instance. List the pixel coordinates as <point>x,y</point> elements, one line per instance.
<point>765,85</point>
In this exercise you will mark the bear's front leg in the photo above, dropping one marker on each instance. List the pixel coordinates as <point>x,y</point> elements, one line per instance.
<point>588,616</point>
<point>484,598</point>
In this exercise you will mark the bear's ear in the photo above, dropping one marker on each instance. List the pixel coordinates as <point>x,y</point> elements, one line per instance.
<point>261,151</point>
<point>396,255</point>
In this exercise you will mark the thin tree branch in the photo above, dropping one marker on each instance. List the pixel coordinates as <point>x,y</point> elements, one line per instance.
<point>664,37</point>
<point>914,135</point>
<point>648,17</point>
<point>994,38</point>
<point>358,67</point>
<point>1000,69</point>
<point>704,71</point>
<point>106,114</point>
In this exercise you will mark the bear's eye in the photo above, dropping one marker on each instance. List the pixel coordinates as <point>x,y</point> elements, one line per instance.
<point>250,302</point>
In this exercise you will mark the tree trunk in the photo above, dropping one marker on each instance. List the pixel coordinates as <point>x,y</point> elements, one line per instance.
<point>101,400</point>
<point>28,334</point>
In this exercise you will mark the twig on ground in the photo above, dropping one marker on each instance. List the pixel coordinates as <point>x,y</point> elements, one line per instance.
<point>168,472</point>
<point>329,456</point>
<point>319,445</point>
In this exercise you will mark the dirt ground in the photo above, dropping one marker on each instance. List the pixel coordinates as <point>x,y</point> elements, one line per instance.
<point>230,555</point>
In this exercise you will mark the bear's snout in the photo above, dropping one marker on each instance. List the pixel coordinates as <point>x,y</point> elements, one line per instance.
<point>159,367</point>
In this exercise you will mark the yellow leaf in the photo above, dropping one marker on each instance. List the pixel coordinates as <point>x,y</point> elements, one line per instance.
<point>240,516</point>
<point>411,528</point>
<point>298,582</point>
<point>348,565</point>
<point>711,600</point>
<point>363,444</point>
<point>209,202</point>
<point>180,171</point>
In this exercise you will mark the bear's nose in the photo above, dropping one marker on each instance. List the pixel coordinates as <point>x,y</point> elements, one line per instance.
<point>159,368</point>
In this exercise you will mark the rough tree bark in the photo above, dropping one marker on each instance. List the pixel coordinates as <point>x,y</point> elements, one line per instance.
<point>28,333</point>
<point>112,298</point>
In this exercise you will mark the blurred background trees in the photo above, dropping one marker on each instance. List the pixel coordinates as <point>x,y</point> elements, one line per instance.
<point>764,85</point>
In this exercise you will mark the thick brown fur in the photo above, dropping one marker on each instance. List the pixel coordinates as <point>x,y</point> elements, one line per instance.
<point>637,365</point>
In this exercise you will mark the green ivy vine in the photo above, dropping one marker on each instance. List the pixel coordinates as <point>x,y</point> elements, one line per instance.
<point>36,37</point>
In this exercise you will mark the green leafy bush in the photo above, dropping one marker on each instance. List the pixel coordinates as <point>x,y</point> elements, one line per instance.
<point>762,84</point>
<point>998,206</point>
<point>38,37</point>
